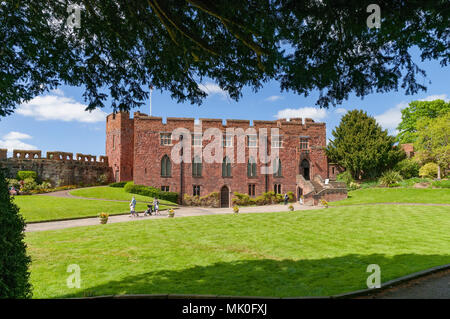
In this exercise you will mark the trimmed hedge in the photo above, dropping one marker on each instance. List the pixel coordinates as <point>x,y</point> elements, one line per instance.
<point>23,175</point>
<point>118,184</point>
<point>441,184</point>
<point>150,192</point>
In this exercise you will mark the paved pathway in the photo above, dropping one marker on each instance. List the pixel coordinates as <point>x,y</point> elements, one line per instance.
<point>179,212</point>
<point>434,286</point>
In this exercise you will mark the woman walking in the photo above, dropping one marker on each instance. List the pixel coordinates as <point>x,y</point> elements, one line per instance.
<point>156,205</point>
<point>133,208</point>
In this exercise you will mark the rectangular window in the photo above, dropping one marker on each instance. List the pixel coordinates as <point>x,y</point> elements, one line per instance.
<point>166,139</point>
<point>251,189</point>
<point>303,143</point>
<point>277,141</point>
<point>227,140</point>
<point>196,190</point>
<point>252,140</point>
<point>165,188</point>
<point>196,140</point>
<point>114,142</point>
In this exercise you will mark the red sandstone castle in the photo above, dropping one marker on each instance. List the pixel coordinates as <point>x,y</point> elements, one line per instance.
<point>140,149</point>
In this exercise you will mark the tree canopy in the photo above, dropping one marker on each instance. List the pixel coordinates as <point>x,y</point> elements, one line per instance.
<point>416,111</point>
<point>123,46</point>
<point>433,141</point>
<point>362,147</point>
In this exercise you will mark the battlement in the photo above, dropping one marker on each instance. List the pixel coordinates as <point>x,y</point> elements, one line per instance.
<point>53,156</point>
<point>211,122</point>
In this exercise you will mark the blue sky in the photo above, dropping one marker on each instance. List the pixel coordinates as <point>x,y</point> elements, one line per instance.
<point>57,121</point>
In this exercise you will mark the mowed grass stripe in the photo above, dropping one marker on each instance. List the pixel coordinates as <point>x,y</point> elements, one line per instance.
<point>306,253</point>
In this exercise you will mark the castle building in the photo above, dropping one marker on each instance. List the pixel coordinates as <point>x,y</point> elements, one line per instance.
<point>144,149</point>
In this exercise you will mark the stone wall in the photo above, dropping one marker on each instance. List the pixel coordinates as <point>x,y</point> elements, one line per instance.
<point>59,168</point>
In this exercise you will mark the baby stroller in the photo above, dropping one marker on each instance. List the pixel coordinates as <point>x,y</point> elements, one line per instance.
<point>149,211</point>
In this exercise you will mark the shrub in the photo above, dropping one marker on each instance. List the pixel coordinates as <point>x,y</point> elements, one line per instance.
<point>23,175</point>
<point>14,262</point>
<point>429,170</point>
<point>118,184</point>
<point>241,199</point>
<point>102,179</point>
<point>291,197</point>
<point>345,177</point>
<point>408,168</point>
<point>441,184</point>
<point>44,186</point>
<point>235,209</point>
<point>353,186</point>
<point>389,178</point>
<point>150,192</point>
<point>13,183</point>
<point>29,184</point>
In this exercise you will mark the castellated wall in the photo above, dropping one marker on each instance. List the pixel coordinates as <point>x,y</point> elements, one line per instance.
<point>135,152</point>
<point>59,168</point>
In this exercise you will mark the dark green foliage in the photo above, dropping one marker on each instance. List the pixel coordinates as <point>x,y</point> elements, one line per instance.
<point>408,168</point>
<point>22,175</point>
<point>419,110</point>
<point>118,184</point>
<point>151,192</point>
<point>390,178</point>
<point>362,147</point>
<point>14,274</point>
<point>125,45</point>
<point>345,177</point>
<point>441,184</point>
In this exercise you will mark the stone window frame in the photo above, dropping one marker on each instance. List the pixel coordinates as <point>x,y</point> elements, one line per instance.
<point>251,167</point>
<point>274,143</point>
<point>197,167</point>
<point>165,188</point>
<point>277,188</point>
<point>166,166</point>
<point>227,140</point>
<point>255,136</point>
<point>226,167</point>
<point>279,171</point>
<point>196,190</point>
<point>195,139</point>
<point>165,139</point>
<point>304,142</point>
<point>252,190</point>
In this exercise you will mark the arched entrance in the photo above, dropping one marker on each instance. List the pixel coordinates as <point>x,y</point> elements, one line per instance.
<point>224,197</point>
<point>304,169</point>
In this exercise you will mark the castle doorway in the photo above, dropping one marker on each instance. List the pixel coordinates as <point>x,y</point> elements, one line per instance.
<point>224,197</point>
<point>304,169</point>
<point>299,192</point>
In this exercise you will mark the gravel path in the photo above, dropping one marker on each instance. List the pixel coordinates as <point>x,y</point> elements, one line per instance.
<point>179,212</point>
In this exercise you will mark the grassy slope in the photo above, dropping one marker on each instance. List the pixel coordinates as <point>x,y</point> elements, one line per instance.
<point>306,253</point>
<point>396,195</point>
<point>40,208</point>
<point>112,193</point>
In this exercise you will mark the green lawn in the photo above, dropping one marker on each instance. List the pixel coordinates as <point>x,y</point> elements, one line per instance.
<point>306,253</point>
<point>113,193</point>
<point>395,195</point>
<point>41,208</point>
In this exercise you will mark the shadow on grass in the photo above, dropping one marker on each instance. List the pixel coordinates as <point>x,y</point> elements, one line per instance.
<point>267,277</point>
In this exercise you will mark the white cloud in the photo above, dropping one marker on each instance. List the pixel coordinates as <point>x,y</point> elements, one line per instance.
<point>60,108</point>
<point>391,117</point>
<point>340,110</point>
<point>13,140</point>
<point>303,112</point>
<point>212,88</point>
<point>58,92</point>
<point>273,98</point>
<point>436,97</point>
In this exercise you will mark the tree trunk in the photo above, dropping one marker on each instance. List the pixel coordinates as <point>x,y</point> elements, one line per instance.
<point>439,172</point>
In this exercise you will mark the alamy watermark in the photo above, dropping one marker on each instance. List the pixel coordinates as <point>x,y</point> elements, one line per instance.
<point>374,19</point>
<point>74,280</point>
<point>374,280</point>
<point>74,18</point>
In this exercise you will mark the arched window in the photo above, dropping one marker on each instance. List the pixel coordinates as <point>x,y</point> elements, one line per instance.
<point>226,167</point>
<point>166,166</point>
<point>251,167</point>
<point>197,166</point>
<point>277,167</point>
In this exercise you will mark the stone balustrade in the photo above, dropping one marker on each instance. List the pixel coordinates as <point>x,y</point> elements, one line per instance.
<point>60,156</point>
<point>27,154</point>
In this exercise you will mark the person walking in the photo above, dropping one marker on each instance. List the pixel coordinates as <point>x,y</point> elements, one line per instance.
<point>133,208</point>
<point>286,198</point>
<point>156,205</point>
